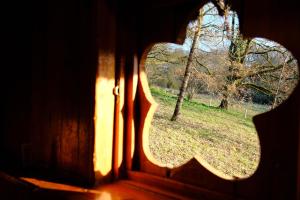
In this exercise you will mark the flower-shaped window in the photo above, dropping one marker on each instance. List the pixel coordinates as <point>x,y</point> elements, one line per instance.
<point>208,90</point>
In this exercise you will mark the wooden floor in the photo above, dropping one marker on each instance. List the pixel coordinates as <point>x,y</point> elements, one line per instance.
<point>30,188</point>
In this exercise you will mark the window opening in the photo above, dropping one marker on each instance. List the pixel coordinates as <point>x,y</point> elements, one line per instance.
<point>231,79</point>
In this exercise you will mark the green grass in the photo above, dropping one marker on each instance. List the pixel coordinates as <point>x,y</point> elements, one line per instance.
<point>224,138</point>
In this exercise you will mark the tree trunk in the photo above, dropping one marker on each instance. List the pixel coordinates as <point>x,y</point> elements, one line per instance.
<point>278,87</point>
<point>224,103</point>
<point>187,70</point>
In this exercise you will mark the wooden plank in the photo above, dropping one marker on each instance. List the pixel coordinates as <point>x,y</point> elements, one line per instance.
<point>104,98</point>
<point>179,188</point>
<point>119,119</point>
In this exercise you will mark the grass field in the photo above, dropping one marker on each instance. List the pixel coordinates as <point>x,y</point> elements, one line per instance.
<point>224,139</point>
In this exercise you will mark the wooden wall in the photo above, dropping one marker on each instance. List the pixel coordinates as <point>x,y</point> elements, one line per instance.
<point>52,50</point>
<point>48,88</point>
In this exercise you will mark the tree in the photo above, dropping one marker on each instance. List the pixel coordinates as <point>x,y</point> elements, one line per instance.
<point>187,68</point>
<point>161,64</point>
<point>237,52</point>
<point>259,65</point>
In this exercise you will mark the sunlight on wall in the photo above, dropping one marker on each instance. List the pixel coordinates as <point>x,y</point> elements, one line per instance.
<point>103,126</point>
<point>104,114</point>
<point>104,196</point>
<point>99,194</point>
<point>119,124</point>
<point>131,96</point>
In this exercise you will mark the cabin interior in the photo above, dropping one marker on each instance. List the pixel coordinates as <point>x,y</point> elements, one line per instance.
<point>76,106</point>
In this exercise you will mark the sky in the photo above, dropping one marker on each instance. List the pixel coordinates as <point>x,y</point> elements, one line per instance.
<point>218,42</point>
<point>212,18</point>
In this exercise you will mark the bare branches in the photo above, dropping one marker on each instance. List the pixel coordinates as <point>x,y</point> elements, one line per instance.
<point>204,67</point>
<point>224,62</point>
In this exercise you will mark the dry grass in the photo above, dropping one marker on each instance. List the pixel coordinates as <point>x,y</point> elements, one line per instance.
<point>225,139</point>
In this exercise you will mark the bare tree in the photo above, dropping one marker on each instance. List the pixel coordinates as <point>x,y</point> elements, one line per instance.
<point>188,68</point>
<point>256,64</point>
<point>225,63</point>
